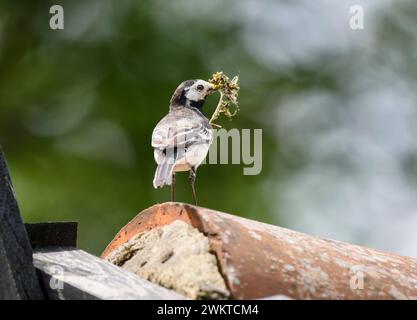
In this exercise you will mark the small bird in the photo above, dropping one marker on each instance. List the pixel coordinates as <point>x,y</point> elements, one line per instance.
<point>182,138</point>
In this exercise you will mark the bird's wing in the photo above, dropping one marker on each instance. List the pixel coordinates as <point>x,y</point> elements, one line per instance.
<point>180,133</point>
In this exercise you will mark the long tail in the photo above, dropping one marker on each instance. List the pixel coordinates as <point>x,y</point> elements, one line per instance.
<point>163,174</point>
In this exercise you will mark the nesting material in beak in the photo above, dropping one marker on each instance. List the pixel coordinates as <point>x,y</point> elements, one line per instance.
<point>228,95</point>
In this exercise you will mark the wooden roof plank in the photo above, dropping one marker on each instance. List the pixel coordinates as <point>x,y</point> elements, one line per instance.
<point>70,273</point>
<point>18,277</point>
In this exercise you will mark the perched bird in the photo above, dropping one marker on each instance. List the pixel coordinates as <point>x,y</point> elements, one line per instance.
<point>182,138</point>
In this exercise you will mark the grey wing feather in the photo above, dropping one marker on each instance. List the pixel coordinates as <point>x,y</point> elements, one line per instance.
<point>171,138</point>
<point>180,133</point>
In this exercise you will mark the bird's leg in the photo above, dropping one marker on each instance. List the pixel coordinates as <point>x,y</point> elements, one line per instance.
<point>191,178</point>
<point>173,187</point>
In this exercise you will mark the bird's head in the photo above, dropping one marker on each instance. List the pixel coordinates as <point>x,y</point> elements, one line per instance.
<point>192,93</point>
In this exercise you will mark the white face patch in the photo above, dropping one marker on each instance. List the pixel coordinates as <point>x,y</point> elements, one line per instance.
<point>193,94</point>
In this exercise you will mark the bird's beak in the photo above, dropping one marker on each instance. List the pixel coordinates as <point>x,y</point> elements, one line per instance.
<point>211,88</point>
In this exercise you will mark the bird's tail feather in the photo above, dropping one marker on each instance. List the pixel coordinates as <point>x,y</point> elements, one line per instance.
<point>163,174</point>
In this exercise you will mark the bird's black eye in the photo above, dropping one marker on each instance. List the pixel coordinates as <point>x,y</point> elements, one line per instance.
<point>200,87</point>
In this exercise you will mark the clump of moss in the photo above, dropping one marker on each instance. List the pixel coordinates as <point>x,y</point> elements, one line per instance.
<point>228,96</point>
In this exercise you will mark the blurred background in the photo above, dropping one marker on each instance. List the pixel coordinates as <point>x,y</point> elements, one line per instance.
<point>338,109</point>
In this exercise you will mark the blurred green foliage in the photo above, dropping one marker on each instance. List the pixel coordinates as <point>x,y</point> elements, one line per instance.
<point>78,107</point>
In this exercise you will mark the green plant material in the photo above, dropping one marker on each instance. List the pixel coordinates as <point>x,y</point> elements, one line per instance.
<point>228,96</point>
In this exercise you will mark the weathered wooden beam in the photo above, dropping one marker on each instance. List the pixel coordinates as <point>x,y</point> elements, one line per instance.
<point>258,260</point>
<point>18,278</point>
<point>69,273</point>
<point>52,234</point>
